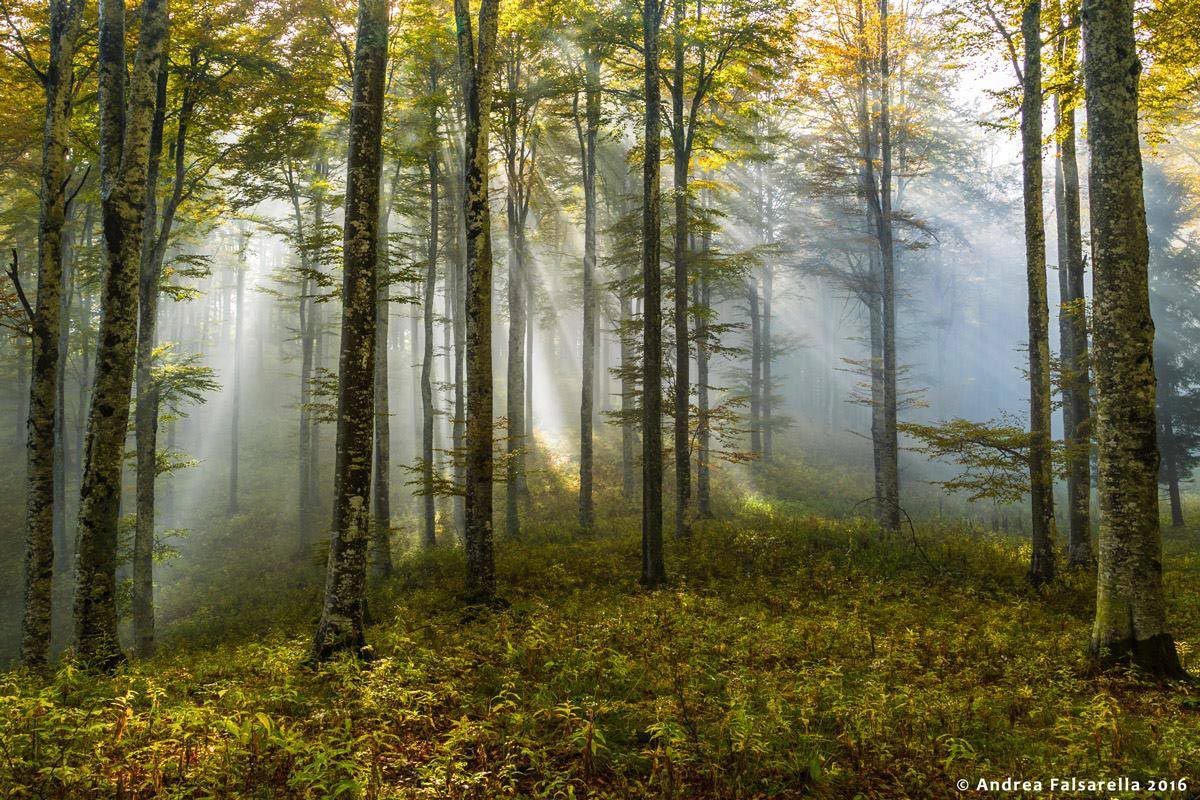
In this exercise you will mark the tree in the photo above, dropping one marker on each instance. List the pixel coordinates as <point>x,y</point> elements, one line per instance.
<point>341,625</point>
<point>654,571</point>
<point>46,327</point>
<point>1174,299</point>
<point>1028,70</point>
<point>477,66</point>
<point>1131,623</point>
<point>1072,315</point>
<point>125,128</point>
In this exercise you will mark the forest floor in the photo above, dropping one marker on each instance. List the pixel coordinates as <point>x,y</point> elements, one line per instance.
<point>793,655</point>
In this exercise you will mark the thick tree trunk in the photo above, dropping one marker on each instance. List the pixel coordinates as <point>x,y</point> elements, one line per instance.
<point>44,388</point>
<point>124,161</point>
<point>477,66</point>
<point>1131,624</point>
<point>654,571</point>
<point>1041,482</point>
<point>587,410</point>
<point>341,625</point>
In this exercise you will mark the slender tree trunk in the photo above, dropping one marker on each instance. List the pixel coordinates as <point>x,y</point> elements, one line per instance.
<point>235,416</point>
<point>890,473</point>
<point>755,367</point>
<point>428,515</point>
<point>1073,316</point>
<point>381,540</point>
<point>124,162</point>
<point>628,387</point>
<point>1131,624</point>
<point>146,408</point>
<point>768,356</point>
<point>682,157</point>
<point>1169,445</point>
<point>1041,482</point>
<point>654,571</point>
<point>341,625</point>
<point>515,377</point>
<point>587,411</point>
<point>65,17</point>
<point>704,434</point>
<point>477,66</point>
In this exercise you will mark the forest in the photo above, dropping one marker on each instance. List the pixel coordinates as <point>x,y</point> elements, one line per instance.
<point>605,399</point>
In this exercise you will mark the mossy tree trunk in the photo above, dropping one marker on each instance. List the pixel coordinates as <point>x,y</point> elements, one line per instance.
<point>1131,624</point>
<point>477,67</point>
<point>45,387</point>
<point>1073,335</point>
<point>1041,483</point>
<point>341,624</point>
<point>654,571</point>
<point>124,162</point>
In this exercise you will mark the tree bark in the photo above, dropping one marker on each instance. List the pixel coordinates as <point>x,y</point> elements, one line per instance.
<point>587,411</point>
<point>654,571</point>
<point>477,66</point>
<point>341,625</point>
<point>428,507</point>
<point>235,416</point>
<point>44,388</point>
<point>890,473</point>
<point>124,162</point>
<point>1131,624</point>
<point>146,404</point>
<point>681,142</point>
<point>381,539</point>
<point>1041,482</point>
<point>1073,336</point>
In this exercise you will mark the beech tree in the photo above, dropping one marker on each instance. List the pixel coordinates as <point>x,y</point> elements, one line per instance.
<point>341,625</point>
<point>126,118</point>
<point>477,67</point>
<point>46,328</point>
<point>1131,623</point>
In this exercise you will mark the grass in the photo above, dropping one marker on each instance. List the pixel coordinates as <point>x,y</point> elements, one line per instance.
<point>792,656</point>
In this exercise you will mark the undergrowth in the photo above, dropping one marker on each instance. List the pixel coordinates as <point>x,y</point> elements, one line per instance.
<point>791,656</point>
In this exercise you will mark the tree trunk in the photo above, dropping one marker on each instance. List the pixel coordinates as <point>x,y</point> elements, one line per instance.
<point>1131,624</point>
<point>428,500</point>
<point>515,377</point>
<point>477,66</point>
<point>654,571</point>
<point>755,367</point>
<point>1076,382</point>
<point>124,162</point>
<point>628,387</point>
<point>681,135</point>
<point>890,472</point>
<point>704,434</point>
<point>146,404</point>
<point>587,411</point>
<point>235,416</point>
<point>341,625</point>
<point>1041,482</point>
<point>381,539</point>
<point>44,388</point>
<point>1169,445</point>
